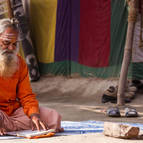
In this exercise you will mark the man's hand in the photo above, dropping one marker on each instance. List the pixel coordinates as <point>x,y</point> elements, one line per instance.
<point>2,131</point>
<point>36,122</point>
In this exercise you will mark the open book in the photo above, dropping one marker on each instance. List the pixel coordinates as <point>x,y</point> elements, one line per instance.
<point>32,134</point>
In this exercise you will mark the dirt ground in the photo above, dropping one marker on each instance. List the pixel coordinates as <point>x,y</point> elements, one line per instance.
<point>79,99</point>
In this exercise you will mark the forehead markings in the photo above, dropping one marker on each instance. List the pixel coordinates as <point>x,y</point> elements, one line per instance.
<point>8,36</point>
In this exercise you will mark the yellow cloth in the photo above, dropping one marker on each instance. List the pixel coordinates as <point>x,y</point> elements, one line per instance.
<point>43,27</point>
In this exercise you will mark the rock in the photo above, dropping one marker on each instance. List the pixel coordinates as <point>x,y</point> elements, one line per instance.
<point>118,130</point>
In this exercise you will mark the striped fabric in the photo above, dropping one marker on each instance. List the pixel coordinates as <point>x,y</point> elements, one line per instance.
<point>79,36</point>
<point>72,30</point>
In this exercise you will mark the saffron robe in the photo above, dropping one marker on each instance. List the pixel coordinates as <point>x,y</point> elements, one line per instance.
<point>16,92</point>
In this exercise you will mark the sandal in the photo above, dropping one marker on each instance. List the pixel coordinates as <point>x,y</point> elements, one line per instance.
<point>113,112</point>
<point>131,112</point>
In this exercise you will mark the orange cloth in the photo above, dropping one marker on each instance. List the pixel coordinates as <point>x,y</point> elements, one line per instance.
<point>16,92</point>
<point>41,136</point>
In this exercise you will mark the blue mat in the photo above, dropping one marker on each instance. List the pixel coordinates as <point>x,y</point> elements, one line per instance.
<point>82,127</point>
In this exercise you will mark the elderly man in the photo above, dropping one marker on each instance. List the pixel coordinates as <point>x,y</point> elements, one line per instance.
<point>19,109</point>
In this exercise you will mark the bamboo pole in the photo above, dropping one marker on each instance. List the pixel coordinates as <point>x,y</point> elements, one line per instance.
<point>133,9</point>
<point>141,31</point>
<point>10,13</point>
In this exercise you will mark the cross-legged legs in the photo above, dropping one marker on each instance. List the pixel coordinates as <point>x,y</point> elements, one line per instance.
<point>19,121</point>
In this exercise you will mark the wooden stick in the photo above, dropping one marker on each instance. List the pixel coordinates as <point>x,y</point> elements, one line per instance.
<point>133,7</point>
<point>10,13</point>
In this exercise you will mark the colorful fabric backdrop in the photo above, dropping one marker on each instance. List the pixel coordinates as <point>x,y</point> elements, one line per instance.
<point>79,36</point>
<point>84,37</point>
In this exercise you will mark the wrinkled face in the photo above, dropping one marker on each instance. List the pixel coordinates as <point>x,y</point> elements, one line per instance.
<point>8,41</point>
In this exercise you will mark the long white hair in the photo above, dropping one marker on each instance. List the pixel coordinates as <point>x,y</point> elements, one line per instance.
<point>8,63</point>
<point>6,22</point>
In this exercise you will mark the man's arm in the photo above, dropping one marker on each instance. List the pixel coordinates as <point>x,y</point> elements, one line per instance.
<point>27,97</point>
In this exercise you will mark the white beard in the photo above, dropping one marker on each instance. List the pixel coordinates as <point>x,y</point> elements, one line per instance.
<point>8,64</point>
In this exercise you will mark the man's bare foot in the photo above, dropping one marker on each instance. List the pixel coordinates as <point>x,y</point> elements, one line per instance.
<point>2,129</point>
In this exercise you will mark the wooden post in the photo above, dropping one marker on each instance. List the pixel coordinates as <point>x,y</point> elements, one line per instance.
<point>133,10</point>
<point>10,13</point>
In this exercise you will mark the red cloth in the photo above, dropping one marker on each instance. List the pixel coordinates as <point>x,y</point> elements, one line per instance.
<point>95,19</point>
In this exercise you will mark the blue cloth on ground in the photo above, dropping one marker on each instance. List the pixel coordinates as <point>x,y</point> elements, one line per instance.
<point>84,127</point>
<point>80,127</point>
